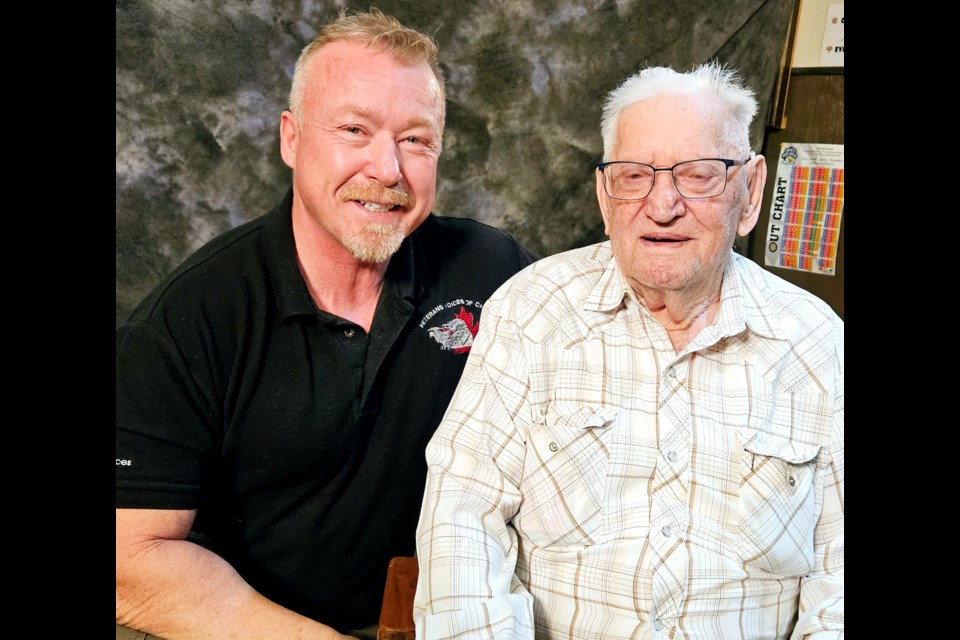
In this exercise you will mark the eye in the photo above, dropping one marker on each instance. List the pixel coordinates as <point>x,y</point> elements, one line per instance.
<point>418,144</point>
<point>353,129</point>
<point>635,174</point>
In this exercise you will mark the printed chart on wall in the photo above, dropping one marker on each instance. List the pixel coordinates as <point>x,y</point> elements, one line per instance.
<point>806,208</point>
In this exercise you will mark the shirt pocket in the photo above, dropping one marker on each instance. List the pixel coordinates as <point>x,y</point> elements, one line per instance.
<point>564,474</point>
<point>779,484</point>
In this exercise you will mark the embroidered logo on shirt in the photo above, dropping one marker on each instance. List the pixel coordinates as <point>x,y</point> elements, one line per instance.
<point>457,333</point>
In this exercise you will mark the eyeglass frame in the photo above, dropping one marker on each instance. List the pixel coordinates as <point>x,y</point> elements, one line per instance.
<point>726,161</point>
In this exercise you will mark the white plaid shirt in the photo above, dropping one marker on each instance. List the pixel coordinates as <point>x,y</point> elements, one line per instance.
<point>589,482</point>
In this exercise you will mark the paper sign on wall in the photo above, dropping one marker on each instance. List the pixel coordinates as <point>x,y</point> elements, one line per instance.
<point>806,208</point>
<point>831,51</point>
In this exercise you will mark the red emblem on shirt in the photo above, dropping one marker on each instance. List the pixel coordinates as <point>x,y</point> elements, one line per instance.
<point>457,334</point>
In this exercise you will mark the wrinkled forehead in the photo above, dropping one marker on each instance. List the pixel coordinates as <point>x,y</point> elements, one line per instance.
<point>673,125</point>
<point>347,64</point>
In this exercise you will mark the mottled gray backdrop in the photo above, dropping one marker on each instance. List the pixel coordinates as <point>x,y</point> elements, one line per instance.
<point>201,85</point>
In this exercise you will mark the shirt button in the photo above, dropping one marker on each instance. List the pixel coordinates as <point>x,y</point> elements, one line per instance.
<point>554,447</point>
<point>349,332</point>
<point>672,456</point>
<point>792,481</point>
<point>657,625</point>
<point>672,372</point>
<point>666,531</point>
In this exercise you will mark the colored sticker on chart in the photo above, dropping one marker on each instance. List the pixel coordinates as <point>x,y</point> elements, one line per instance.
<point>806,208</point>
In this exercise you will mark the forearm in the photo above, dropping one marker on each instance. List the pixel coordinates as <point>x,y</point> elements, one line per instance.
<point>504,616</point>
<point>176,589</point>
<point>467,588</point>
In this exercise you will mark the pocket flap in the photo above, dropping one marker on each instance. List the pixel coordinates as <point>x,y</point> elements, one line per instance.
<point>767,444</point>
<point>582,416</point>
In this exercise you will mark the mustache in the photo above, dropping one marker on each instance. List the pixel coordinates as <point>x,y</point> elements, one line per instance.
<point>376,192</point>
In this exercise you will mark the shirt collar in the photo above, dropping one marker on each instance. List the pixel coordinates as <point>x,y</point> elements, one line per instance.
<point>280,255</point>
<point>741,301</point>
<point>611,287</point>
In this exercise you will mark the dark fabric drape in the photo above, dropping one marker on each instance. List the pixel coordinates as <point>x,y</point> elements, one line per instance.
<point>201,85</point>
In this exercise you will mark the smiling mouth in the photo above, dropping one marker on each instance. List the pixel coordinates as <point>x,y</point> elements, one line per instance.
<point>378,207</point>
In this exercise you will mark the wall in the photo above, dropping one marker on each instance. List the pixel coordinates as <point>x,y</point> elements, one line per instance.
<point>813,113</point>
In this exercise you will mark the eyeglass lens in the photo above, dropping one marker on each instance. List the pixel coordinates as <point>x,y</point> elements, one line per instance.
<point>693,179</point>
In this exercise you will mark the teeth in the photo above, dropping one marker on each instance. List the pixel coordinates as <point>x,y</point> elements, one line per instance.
<point>373,206</point>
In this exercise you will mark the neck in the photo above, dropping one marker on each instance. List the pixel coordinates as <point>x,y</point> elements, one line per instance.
<point>683,314</point>
<point>338,282</point>
<point>352,296</point>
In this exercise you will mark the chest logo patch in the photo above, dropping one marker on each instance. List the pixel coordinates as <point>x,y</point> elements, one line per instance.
<point>454,334</point>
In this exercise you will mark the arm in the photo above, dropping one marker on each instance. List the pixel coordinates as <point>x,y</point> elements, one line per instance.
<point>466,544</point>
<point>176,589</point>
<point>165,584</point>
<point>821,592</point>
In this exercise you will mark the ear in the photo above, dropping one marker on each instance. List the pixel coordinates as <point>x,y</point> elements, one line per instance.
<point>756,179</point>
<point>603,201</point>
<point>289,138</point>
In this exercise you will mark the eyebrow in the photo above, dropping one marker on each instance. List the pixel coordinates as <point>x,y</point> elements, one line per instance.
<point>366,114</point>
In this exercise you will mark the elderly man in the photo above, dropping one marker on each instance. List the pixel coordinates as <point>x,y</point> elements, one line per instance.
<point>647,441</point>
<point>274,387</point>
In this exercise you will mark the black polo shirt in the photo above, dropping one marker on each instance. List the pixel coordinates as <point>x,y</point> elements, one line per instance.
<point>297,436</point>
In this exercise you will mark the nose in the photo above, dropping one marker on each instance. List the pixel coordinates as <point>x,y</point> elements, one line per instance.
<point>664,202</point>
<point>383,161</point>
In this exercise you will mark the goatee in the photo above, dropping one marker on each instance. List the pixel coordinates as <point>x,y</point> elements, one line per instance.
<point>375,242</point>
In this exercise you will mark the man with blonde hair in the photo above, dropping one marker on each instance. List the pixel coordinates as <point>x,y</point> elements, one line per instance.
<point>276,391</point>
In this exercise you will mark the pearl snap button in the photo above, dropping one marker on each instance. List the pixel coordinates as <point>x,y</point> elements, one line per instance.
<point>349,332</point>
<point>554,447</point>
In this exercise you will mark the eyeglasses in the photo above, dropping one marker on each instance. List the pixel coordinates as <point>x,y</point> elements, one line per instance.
<point>704,178</point>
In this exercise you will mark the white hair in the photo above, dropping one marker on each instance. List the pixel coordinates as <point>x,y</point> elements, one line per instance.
<point>711,78</point>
